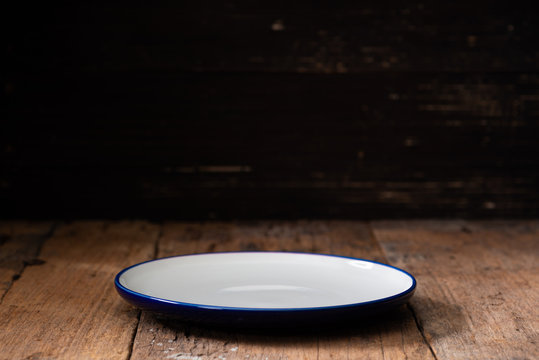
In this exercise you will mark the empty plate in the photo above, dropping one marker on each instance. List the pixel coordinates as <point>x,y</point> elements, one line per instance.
<point>264,288</point>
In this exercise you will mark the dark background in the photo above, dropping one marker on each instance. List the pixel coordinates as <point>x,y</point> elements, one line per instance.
<point>257,109</point>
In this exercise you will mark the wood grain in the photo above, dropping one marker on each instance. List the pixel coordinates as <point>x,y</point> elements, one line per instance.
<point>477,290</point>
<point>396,337</point>
<point>67,308</point>
<point>478,284</point>
<point>19,246</point>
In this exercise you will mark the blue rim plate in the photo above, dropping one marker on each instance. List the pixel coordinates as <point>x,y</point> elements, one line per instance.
<point>264,289</point>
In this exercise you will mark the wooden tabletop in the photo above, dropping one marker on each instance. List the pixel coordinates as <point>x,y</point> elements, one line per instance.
<point>477,294</point>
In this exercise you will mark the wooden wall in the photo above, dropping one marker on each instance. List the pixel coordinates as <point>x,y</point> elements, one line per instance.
<point>253,109</point>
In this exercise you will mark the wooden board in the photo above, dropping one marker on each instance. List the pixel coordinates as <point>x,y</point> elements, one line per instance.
<point>396,337</point>
<point>66,307</point>
<point>20,242</point>
<point>228,110</point>
<point>478,284</point>
<point>300,37</point>
<point>477,290</point>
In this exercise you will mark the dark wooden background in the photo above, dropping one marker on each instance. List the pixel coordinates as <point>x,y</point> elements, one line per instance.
<point>253,109</point>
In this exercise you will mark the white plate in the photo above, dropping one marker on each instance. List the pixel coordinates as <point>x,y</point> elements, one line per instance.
<point>243,287</point>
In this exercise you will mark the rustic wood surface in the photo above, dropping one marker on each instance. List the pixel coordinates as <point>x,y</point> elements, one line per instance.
<point>19,245</point>
<point>479,284</point>
<point>66,307</point>
<point>476,297</point>
<point>391,339</point>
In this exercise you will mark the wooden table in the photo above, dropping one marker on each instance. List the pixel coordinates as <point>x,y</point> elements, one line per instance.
<point>477,295</point>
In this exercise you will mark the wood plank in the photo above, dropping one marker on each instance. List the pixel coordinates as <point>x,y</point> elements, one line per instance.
<point>364,109</point>
<point>19,245</point>
<point>367,145</point>
<point>67,307</point>
<point>478,284</point>
<point>276,37</point>
<point>395,337</point>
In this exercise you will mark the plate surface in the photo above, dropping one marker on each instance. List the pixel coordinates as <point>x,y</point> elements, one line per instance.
<point>263,288</point>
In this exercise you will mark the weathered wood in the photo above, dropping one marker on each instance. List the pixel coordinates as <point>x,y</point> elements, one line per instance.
<point>356,146</point>
<point>226,110</point>
<point>268,36</point>
<point>391,338</point>
<point>67,308</point>
<point>478,284</point>
<point>476,298</point>
<point>19,245</point>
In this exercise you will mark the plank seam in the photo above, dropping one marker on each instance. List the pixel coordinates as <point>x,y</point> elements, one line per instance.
<point>410,308</point>
<point>421,330</point>
<point>133,336</point>
<point>42,238</point>
<point>136,328</point>
<point>376,242</point>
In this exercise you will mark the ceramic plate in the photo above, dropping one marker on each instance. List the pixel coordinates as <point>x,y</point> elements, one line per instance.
<point>264,288</point>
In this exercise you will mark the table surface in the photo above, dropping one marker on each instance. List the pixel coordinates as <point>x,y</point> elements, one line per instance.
<point>477,294</point>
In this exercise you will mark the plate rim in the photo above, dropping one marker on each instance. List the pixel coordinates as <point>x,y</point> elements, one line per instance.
<point>160,301</point>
